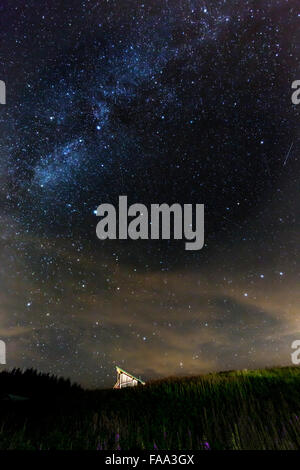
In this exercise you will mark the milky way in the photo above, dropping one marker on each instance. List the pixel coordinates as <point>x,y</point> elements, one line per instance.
<point>163,101</point>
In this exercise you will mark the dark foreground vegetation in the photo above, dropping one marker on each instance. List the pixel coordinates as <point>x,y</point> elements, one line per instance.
<point>231,410</point>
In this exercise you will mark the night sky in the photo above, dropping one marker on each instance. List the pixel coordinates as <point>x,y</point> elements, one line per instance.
<point>184,101</point>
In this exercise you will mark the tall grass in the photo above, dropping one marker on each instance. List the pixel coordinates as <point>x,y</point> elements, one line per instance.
<point>233,410</point>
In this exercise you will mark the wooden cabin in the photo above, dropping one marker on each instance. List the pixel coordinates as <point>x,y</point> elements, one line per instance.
<point>124,379</point>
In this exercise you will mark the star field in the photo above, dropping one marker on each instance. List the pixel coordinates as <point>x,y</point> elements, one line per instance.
<point>183,101</point>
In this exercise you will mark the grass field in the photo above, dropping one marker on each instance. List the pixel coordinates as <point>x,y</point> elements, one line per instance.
<point>230,410</point>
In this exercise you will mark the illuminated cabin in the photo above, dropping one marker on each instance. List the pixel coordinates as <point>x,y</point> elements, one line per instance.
<point>124,379</point>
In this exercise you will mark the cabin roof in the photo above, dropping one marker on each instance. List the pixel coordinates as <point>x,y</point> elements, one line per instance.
<point>119,370</point>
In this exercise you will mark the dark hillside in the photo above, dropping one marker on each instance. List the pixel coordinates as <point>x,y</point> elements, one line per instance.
<point>231,410</point>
